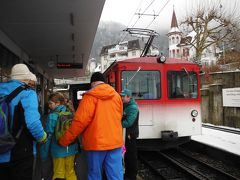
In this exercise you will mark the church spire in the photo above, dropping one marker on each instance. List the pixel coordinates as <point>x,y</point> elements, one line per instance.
<point>174,20</point>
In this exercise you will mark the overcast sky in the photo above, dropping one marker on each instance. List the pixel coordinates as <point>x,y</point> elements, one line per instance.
<point>123,11</point>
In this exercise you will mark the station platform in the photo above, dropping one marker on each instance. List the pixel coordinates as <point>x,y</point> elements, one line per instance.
<point>43,170</point>
<point>226,141</point>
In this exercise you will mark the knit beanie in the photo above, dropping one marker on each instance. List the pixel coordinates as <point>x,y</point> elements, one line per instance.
<point>126,92</point>
<point>20,72</point>
<point>97,76</point>
<point>33,77</point>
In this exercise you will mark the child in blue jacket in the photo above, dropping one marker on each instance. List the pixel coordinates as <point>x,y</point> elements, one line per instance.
<point>63,157</point>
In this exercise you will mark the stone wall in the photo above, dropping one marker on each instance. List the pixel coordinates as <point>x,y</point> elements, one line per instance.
<point>211,99</point>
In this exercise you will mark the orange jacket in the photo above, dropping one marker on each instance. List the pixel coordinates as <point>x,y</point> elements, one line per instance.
<point>98,119</point>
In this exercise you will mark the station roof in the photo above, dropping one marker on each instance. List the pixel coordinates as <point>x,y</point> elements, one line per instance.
<point>52,31</point>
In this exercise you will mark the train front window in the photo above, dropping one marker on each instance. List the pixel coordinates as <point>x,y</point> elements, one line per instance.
<point>182,84</point>
<point>143,84</point>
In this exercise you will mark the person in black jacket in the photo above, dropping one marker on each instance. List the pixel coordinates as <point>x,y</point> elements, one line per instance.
<point>130,122</point>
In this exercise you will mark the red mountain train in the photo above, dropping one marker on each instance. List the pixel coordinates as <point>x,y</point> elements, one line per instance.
<point>168,95</point>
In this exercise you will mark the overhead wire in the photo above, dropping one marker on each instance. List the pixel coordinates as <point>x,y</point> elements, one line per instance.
<point>121,39</point>
<point>135,12</point>
<point>158,14</point>
<point>140,15</point>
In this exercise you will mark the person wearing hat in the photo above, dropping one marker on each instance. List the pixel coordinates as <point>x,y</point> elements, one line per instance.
<point>98,120</point>
<point>130,122</point>
<point>17,163</point>
<point>32,80</point>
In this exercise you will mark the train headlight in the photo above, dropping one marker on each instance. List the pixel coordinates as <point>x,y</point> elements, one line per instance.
<point>194,113</point>
<point>161,59</point>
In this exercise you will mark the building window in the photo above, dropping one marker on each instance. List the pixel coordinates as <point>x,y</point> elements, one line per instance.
<point>177,40</point>
<point>133,53</point>
<point>105,66</point>
<point>187,52</point>
<point>184,53</point>
<point>105,57</point>
<point>178,55</point>
<point>125,54</point>
<point>112,55</point>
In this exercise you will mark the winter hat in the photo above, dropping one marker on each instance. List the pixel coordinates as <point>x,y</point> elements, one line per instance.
<point>20,72</point>
<point>97,76</point>
<point>33,77</point>
<point>126,92</point>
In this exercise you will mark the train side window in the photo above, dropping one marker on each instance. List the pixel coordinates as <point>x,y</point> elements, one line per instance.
<point>144,84</point>
<point>182,84</point>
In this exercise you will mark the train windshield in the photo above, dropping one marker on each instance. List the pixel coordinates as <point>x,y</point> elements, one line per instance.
<point>143,84</point>
<point>182,84</point>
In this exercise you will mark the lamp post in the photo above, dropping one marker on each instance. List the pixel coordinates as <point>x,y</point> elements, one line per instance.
<point>223,51</point>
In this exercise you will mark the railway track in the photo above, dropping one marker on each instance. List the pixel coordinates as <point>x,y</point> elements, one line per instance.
<point>181,163</point>
<point>234,131</point>
<point>155,166</point>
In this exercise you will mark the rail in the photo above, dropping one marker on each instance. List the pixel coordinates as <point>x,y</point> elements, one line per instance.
<point>185,163</point>
<point>196,166</point>
<point>225,129</point>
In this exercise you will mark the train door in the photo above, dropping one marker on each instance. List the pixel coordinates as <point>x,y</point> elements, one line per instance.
<point>183,99</point>
<point>145,87</point>
<point>75,92</point>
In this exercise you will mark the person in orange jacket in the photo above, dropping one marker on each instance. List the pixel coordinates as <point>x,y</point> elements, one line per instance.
<point>98,120</point>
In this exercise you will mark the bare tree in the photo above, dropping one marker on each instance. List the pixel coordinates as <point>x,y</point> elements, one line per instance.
<point>211,24</point>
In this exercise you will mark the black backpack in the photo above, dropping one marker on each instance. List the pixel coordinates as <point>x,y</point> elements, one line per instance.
<point>7,140</point>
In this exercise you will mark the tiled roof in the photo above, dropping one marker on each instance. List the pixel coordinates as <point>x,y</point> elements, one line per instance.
<point>174,20</point>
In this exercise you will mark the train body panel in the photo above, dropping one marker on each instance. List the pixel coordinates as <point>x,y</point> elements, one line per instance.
<point>155,118</point>
<point>168,94</point>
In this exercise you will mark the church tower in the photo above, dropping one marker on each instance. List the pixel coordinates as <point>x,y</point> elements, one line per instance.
<point>174,38</point>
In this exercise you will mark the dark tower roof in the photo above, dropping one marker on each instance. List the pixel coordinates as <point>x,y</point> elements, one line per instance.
<point>174,20</point>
